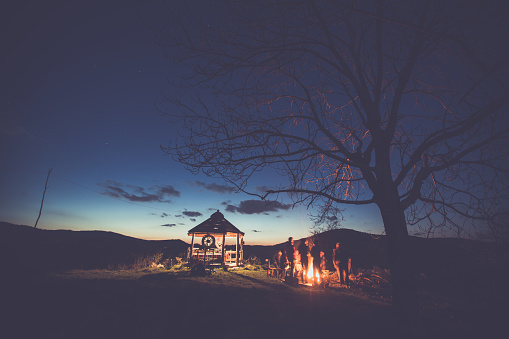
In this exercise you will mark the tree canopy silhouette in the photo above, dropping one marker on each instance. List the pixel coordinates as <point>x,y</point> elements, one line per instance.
<point>400,104</point>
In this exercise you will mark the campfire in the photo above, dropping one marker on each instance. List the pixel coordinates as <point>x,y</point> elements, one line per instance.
<point>310,273</point>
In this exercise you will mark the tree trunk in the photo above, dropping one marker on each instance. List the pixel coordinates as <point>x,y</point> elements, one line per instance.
<point>404,286</point>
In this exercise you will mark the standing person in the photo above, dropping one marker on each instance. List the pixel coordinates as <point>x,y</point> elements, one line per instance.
<point>298,265</point>
<point>280,264</point>
<point>323,261</point>
<point>317,260</point>
<point>342,263</point>
<point>304,250</point>
<point>290,254</point>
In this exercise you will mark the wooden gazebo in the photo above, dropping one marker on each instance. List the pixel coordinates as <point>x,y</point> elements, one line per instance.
<point>214,232</point>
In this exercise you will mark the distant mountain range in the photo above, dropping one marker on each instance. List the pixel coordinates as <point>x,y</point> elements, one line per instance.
<point>26,247</point>
<point>63,249</point>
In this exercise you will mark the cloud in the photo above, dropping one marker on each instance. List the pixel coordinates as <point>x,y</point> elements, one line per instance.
<point>192,214</point>
<point>169,225</point>
<point>168,190</point>
<point>193,219</point>
<point>255,231</point>
<point>138,194</point>
<point>164,215</point>
<point>257,207</point>
<point>214,187</point>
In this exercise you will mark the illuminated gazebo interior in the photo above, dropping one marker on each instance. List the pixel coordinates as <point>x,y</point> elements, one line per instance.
<point>214,233</point>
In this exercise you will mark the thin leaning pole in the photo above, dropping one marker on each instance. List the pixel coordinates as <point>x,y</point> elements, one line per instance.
<point>43,194</point>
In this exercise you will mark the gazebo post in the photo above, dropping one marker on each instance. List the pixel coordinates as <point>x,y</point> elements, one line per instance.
<point>237,249</point>
<point>242,248</point>
<point>222,250</point>
<point>192,243</point>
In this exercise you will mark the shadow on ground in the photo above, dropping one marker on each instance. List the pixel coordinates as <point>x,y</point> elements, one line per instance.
<point>225,305</point>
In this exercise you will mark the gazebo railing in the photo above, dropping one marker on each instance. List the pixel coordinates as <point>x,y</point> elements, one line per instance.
<point>209,254</point>
<point>231,257</point>
<point>212,255</point>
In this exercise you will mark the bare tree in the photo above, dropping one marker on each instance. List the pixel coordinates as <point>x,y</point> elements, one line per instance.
<point>394,103</point>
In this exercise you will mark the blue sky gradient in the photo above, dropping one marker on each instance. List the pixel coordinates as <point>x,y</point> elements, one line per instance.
<point>80,84</point>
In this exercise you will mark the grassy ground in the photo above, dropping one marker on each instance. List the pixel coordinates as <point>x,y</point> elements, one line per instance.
<point>160,303</point>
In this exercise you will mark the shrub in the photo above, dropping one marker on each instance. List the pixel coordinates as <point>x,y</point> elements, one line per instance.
<point>253,260</point>
<point>147,261</point>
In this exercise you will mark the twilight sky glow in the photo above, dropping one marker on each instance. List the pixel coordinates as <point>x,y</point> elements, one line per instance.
<point>80,81</point>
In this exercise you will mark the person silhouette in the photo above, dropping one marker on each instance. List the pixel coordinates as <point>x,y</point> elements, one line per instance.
<point>304,251</point>
<point>317,261</point>
<point>280,263</point>
<point>290,255</point>
<point>342,264</point>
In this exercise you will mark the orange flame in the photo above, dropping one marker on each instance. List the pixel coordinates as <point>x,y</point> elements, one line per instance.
<point>310,272</point>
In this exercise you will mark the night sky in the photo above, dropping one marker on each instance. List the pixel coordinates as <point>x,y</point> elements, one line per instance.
<point>80,83</point>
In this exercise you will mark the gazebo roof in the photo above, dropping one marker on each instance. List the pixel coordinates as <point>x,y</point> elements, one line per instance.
<point>216,224</point>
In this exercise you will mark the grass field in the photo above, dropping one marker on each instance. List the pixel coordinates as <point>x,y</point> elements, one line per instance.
<point>244,303</point>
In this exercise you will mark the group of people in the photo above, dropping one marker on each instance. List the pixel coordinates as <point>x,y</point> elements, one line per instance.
<point>295,261</point>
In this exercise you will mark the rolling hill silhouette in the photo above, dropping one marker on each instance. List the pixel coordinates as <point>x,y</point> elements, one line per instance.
<point>24,246</point>
<point>39,249</point>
